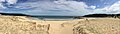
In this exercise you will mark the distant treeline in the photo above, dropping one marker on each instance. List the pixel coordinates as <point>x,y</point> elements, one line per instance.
<point>14,14</point>
<point>76,17</point>
<point>101,15</point>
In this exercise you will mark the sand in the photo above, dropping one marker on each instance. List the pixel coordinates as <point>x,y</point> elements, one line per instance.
<point>27,25</point>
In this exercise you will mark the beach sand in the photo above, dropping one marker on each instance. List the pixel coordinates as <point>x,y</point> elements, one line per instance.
<point>27,25</point>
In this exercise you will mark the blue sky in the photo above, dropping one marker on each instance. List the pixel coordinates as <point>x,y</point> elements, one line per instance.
<point>98,3</point>
<point>61,7</point>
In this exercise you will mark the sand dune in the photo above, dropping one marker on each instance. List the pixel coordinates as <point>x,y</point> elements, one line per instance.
<point>26,25</point>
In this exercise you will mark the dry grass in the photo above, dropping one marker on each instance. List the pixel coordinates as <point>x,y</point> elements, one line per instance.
<point>21,25</point>
<point>25,25</point>
<point>98,26</point>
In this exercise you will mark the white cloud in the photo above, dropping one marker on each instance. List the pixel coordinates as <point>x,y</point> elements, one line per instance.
<point>76,7</point>
<point>1,6</point>
<point>2,0</point>
<point>93,7</point>
<point>81,6</point>
<point>8,3</point>
<point>12,1</point>
<point>113,9</point>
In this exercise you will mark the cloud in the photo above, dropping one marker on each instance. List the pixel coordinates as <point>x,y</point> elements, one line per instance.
<point>75,7</point>
<point>9,2</point>
<point>12,1</point>
<point>93,7</point>
<point>81,7</point>
<point>113,9</point>
<point>1,6</point>
<point>65,7</point>
<point>2,0</point>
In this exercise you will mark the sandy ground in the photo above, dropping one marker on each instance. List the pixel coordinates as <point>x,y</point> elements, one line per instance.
<point>26,25</point>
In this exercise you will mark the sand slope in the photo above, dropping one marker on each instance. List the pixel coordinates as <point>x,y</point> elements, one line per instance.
<point>26,25</point>
<point>21,25</point>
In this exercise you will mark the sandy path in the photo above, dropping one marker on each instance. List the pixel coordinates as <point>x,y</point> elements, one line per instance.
<point>56,28</point>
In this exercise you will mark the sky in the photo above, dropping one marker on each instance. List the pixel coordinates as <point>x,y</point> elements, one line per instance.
<point>60,7</point>
<point>98,3</point>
